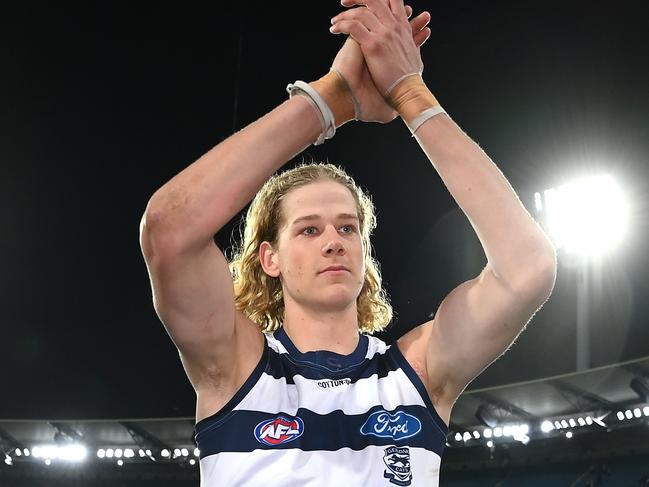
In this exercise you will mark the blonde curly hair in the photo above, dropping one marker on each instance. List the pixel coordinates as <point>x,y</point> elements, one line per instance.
<point>258,295</point>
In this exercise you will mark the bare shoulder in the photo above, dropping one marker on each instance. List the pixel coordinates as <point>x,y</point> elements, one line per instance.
<point>414,346</point>
<point>225,379</point>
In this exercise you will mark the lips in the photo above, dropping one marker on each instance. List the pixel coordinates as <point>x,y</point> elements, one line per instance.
<point>335,268</point>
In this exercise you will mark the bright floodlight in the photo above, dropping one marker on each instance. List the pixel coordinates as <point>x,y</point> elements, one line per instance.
<point>546,426</point>
<point>69,453</point>
<point>587,217</point>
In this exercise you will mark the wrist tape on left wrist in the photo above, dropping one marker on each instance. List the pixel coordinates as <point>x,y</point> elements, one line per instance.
<point>414,102</point>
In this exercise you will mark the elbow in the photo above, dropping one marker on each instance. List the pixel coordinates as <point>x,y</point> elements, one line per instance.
<point>539,280</point>
<point>157,234</point>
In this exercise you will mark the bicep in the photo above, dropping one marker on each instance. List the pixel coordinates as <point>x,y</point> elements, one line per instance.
<point>476,323</point>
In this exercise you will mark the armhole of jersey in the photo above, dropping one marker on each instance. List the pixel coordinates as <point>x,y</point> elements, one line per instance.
<point>218,417</point>
<point>419,385</point>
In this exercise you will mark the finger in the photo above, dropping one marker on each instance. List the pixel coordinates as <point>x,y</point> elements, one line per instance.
<point>397,8</point>
<point>408,10</point>
<point>422,36</point>
<point>353,28</point>
<point>419,22</point>
<point>379,8</point>
<point>363,15</point>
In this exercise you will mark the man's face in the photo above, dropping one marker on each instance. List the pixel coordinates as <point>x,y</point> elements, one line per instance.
<point>320,229</point>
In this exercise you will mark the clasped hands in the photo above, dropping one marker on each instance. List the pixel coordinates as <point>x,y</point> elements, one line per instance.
<point>382,47</point>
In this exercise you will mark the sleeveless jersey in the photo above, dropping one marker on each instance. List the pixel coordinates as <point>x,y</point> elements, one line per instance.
<point>324,419</point>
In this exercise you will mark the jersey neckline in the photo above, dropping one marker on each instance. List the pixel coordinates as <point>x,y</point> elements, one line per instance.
<point>324,358</point>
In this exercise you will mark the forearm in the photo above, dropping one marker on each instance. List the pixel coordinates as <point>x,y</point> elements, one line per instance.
<point>201,199</point>
<point>514,244</point>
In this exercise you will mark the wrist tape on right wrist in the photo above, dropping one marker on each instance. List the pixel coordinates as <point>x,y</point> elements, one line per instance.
<point>332,100</point>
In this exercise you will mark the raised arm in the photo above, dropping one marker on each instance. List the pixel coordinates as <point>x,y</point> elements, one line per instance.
<point>480,318</point>
<point>192,287</point>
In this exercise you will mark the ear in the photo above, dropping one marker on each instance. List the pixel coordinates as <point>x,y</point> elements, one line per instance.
<point>268,259</point>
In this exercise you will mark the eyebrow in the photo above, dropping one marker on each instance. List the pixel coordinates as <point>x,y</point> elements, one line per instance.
<point>340,216</point>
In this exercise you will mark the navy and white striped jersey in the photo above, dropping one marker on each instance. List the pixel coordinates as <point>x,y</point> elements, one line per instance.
<point>324,419</point>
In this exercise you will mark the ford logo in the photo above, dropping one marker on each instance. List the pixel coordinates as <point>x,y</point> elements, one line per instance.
<point>397,426</point>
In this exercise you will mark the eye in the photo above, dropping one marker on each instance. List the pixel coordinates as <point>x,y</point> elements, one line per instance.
<point>309,231</point>
<point>348,228</point>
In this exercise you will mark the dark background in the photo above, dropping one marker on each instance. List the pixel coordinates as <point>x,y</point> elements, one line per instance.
<point>101,105</point>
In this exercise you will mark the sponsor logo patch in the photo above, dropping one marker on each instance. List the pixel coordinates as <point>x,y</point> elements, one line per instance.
<point>279,430</point>
<point>398,462</point>
<point>329,383</point>
<point>397,426</point>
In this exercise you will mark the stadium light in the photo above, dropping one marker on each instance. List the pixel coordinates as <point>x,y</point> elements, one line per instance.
<point>547,426</point>
<point>587,217</point>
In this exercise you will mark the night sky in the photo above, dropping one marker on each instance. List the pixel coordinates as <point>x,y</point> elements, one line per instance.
<point>100,106</point>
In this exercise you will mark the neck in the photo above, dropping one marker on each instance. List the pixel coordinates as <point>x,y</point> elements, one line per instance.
<point>310,330</point>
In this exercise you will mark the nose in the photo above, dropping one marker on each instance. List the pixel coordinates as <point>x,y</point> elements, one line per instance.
<point>334,248</point>
<point>333,244</point>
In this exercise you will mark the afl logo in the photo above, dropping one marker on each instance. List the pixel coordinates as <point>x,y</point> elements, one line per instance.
<point>279,430</point>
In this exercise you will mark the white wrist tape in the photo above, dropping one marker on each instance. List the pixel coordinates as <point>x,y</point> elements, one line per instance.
<point>423,116</point>
<point>324,112</point>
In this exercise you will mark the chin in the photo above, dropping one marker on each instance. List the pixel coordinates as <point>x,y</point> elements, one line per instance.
<point>340,297</point>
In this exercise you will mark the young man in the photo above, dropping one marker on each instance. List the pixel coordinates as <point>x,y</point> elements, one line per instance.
<point>310,401</point>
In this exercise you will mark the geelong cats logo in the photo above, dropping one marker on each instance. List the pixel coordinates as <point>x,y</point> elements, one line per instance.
<point>276,431</point>
<point>398,462</point>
